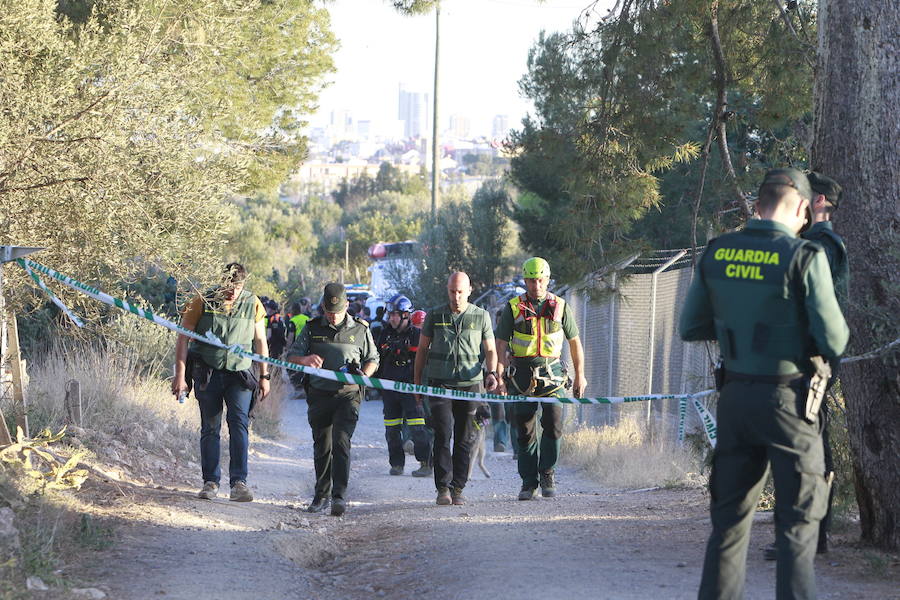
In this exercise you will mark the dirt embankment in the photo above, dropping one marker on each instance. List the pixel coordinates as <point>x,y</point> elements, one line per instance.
<point>394,542</point>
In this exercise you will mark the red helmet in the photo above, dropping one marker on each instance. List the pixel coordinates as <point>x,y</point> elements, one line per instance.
<point>417,318</point>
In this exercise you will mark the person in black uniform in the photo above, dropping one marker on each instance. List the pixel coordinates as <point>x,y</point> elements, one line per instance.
<point>337,342</point>
<point>767,297</point>
<point>397,346</point>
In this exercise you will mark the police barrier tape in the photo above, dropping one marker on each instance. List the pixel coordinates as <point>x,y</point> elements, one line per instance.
<point>32,268</point>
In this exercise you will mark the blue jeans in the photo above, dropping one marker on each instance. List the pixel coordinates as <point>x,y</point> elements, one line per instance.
<point>224,386</point>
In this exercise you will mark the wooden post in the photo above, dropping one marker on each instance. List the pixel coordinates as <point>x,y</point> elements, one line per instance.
<point>5,438</point>
<point>73,402</point>
<point>18,376</point>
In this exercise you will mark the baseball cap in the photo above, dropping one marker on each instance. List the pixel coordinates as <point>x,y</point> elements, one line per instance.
<point>334,298</point>
<point>822,184</point>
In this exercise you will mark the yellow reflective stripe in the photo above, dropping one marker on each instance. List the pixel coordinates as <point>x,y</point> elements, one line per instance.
<point>419,421</point>
<point>393,422</point>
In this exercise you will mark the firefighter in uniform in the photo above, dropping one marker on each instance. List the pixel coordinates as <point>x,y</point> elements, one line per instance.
<point>767,297</point>
<point>337,342</point>
<point>397,345</point>
<point>534,326</point>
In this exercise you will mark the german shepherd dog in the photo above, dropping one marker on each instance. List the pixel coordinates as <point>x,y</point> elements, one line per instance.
<point>482,418</point>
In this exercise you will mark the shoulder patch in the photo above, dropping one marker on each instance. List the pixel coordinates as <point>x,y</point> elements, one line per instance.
<point>362,322</point>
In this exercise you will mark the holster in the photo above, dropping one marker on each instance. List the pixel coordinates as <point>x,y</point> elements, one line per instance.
<point>818,384</point>
<point>719,374</point>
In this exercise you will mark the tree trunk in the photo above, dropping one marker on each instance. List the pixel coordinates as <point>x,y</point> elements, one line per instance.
<point>857,132</point>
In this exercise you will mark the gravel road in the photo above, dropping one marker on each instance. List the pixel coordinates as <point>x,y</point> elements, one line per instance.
<point>394,542</point>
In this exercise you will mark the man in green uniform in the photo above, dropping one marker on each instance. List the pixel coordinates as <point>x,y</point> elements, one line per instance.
<point>451,343</point>
<point>767,297</point>
<point>337,342</point>
<point>535,326</point>
<point>826,198</point>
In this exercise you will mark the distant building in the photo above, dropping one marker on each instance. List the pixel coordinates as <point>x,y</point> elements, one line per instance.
<point>500,127</point>
<point>413,110</point>
<point>460,126</point>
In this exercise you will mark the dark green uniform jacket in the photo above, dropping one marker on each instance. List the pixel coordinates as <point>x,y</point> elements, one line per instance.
<point>338,345</point>
<point>234,327</point>
<point>823,234</point>
<point>454,356</point>
<point>767,297</point>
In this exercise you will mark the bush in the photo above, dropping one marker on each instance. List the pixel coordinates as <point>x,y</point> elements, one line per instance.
<point>620,456</point>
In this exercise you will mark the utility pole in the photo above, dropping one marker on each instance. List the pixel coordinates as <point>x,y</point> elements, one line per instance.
<point>435,128</point>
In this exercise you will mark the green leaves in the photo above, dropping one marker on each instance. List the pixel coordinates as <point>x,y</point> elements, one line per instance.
<point>623,102</point>
<point>128,124</point>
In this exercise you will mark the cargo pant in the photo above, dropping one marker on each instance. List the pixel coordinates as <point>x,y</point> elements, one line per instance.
<point>537,456</point>
<point>759,424</point>
<point>332,417</point>
<point>399,409</point>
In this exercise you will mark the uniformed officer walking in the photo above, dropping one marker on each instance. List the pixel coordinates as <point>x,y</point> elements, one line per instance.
<point>534,326</point>
<point>767,297</point>
<point>452,341</point>
<point>397,346</point>
<point>337,342</point>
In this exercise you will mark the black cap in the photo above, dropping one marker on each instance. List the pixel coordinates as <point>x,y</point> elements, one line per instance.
<point>822,184</point>
<point>334,298</point>
<point>792,177</point>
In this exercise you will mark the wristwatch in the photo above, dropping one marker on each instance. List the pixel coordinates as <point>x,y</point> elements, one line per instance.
<point>266,376</point>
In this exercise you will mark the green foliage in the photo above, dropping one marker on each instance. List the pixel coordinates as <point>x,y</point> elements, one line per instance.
<point>126,125</point>
<point>415,7</point>
<point>609,160</point>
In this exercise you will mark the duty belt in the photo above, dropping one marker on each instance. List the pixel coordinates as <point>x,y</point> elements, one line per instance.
<point>776,379</point>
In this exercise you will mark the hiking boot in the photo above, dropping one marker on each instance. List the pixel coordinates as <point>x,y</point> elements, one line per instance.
<point>499,448</point>
<point>318,504</point>
<point>548,485</point>
<point>769,552</point>
<point>396,471</point>
<point>409,447</point>
<point>241,493</point>
<point>456,497</point>
<point>443,497</point>
<point>338,507</point>
<point>209,491</point>
<point>527,493</point>
<point>424,470</point>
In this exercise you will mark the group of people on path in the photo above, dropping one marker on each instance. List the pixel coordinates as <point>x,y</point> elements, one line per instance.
<point>766,295</point>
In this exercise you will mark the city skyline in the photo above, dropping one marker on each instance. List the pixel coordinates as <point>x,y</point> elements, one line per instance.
<point>482,58</point>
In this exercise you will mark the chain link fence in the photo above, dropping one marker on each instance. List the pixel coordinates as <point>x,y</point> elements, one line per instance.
<point>632,346</point>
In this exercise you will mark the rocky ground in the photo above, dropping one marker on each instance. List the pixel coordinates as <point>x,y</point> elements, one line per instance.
<point>394,542</point>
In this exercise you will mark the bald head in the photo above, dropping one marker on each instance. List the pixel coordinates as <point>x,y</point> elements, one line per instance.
<point>458,290</point>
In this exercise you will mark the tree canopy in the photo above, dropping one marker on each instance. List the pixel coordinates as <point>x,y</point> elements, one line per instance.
<point>128,124</point>
<point>624,101</point>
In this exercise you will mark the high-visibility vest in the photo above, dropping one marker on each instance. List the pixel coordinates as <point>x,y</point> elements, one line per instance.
<point>537,334</point>
<point>299,322</point>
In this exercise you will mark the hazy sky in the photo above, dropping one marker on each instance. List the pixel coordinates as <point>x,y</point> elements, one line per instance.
<point>484,49</point>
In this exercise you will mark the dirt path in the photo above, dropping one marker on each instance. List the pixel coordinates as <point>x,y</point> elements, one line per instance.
<point>394,542</point>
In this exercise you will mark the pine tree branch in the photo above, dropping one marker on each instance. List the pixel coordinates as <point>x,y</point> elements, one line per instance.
<point>721,103</point>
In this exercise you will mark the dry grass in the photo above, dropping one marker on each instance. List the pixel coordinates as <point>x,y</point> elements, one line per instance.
<point>620,456</point>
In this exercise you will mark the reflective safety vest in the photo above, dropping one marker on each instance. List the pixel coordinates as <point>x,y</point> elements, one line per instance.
<point>537,334</point>
<point>236,326</point>
<point>299,322</point>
